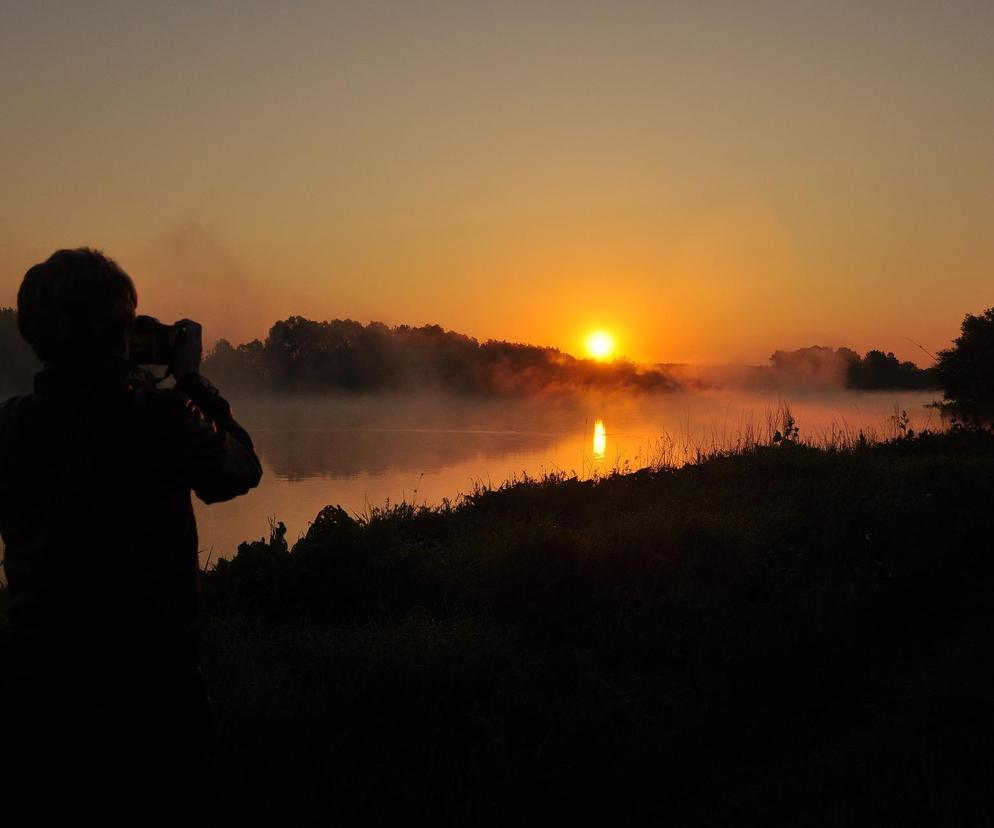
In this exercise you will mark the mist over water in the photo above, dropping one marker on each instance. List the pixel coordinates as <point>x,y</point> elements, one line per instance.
<point>365,452</point>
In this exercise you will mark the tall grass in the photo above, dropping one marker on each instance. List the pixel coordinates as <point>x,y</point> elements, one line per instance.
<point>773,632</point>
<point>777,427</point>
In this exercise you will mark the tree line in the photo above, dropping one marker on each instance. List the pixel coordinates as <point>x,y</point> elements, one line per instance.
<point>874,371</point>
<point>301,355</point>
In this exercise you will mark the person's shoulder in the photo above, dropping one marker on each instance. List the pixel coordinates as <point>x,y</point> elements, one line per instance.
<point>13,412</point>
<point>12,407</point>
<point>10,403</point>
<point>7,408</point>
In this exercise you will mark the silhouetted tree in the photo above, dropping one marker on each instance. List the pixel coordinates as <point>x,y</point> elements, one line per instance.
<point>966,370</point>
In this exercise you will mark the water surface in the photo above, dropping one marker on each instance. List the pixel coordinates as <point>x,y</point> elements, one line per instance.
<point>366,453</point>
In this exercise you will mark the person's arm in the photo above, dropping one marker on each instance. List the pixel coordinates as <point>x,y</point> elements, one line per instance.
<point>217,453</point>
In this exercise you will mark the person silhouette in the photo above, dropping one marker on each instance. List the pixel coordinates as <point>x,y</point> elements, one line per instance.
<point>97,466</point>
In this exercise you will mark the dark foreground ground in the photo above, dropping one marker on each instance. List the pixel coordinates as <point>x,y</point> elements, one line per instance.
<point>789,636</point>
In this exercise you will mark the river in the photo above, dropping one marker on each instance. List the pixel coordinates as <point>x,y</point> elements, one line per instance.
<point>363,453</point>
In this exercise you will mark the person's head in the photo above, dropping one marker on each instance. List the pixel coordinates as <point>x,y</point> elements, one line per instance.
<point>77,305</point>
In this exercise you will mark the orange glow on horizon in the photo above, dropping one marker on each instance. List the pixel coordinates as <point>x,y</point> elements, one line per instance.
<point>624,183</point>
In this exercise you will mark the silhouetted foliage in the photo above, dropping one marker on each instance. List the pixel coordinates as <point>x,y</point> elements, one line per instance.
<point>966,370</point>
<point>18,364</point>
<point>817,364</point>
<point>843,366</point>
<point>754,625</point>
<point>878,370</point>
<point>345,356</point>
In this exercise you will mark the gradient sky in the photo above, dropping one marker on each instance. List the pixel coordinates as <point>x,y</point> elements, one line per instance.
<point>709,181</point>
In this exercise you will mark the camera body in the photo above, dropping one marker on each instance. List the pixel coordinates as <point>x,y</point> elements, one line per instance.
<point>151,342</point>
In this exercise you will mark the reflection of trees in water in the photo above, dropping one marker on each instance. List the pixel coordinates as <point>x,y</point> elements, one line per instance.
<point>297,454</point>
<point>347,437</point>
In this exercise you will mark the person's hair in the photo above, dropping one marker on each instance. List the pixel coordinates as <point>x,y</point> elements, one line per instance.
<point>76,304</point>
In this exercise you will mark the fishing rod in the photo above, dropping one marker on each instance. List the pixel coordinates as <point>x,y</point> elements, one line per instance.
<point>922,348</point>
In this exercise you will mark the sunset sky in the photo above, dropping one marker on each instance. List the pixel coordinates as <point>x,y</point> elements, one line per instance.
<point>706,181</point>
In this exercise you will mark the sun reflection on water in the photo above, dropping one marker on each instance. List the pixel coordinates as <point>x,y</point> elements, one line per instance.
<point>600,440</point>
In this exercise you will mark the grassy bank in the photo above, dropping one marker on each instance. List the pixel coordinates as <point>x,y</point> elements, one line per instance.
<point>788,634</point>
<point>787,631</point>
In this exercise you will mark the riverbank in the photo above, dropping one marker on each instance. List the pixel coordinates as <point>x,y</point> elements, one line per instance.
<point>787,633</point>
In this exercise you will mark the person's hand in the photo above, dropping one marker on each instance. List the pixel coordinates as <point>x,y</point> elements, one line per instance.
<point>187,347</point>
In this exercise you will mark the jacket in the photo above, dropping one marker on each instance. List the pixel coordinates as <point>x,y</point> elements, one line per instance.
<point>97,467</point>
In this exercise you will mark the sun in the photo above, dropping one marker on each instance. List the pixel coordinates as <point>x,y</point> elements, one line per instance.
<point>600,345</point>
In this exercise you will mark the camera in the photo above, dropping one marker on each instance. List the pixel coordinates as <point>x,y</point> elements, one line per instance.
<point>151,342</point>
